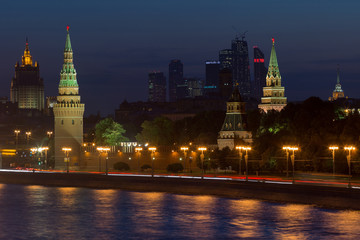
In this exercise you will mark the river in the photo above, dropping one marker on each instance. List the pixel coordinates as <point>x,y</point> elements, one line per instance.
<point>37,212</point>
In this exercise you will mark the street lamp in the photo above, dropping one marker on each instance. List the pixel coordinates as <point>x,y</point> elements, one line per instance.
<point>49,133</point>
<point>28,134</point>
<point>293,161</point>
<point>348,157</point>
<point>16,131</point>
<point>66,150</point>
<point>34,151</point>
<point>185,149</point>
<point>287,160</point>
<point>333,148</point>
<point>246,159</point>
<point>202,149</point>
<point>240,157</point>
<point>44,149</point>
<point>152,149</point>
<point>100,149</point>
<point>290,148</point>
<point>138,150</point>
<point>106,150</point>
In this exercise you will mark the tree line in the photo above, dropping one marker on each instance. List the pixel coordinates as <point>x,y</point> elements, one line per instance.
<point>312,125</point>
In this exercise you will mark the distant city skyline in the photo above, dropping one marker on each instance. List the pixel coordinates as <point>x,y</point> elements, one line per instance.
<point>116,44</point>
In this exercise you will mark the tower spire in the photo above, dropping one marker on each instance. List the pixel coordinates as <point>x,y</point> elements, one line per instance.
<point>338,74</point>
<point>274,94</point>
<point>68,113</point>
<point>68,72</point>
<point>27,58</point>
<point>273,63</point>
<point>68,42</point>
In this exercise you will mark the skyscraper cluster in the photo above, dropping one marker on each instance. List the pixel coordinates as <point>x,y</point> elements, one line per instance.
<point>233,69</point>
<point>179,87</point>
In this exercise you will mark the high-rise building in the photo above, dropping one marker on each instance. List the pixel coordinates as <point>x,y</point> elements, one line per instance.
<point>338,92</point>
<point>226,59</point>
<point>68,114</point>
<point>157,87</point>
<point>225,82</point>
<point>241,66</point>
<point>234,129</point>
<point>27,88</point>
<point>259,73</point>
<point>274,94</point>
<point>176,75</point>
<point>194,87</point>
<point>212,77</point>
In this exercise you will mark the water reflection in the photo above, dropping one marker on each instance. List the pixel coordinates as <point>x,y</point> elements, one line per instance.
<point>32,212</point>
<point>292,221</point>
<point>246,220</point>
<point>148,212</point>
<point>104,207</point>
<point>342,223</point>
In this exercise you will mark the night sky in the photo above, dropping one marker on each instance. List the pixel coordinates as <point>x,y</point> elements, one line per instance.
<point>116,43</point>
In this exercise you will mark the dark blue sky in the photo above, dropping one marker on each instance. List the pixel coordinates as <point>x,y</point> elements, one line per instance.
<point>116,43</point>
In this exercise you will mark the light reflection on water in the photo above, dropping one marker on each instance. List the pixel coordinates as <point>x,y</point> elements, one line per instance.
<point>35,212</point>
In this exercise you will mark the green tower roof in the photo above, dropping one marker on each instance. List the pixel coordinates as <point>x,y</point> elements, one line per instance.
<point>68,72</point>
<point>68,42</point>
<point>273,63</point>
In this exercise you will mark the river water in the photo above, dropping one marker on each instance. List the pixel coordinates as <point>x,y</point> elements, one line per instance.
<point>36,212</point>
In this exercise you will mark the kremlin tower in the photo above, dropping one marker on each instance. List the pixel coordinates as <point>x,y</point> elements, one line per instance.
<point>234,129</point>
<point>68,113</point>
<point>338,92</point>
<point>274,94</point>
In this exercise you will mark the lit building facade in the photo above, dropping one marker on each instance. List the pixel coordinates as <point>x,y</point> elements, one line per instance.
<point>233,130</point>
<point>27,88</point>
<point>273,93</point>
<point>157,87</point>
<point>68,113</point>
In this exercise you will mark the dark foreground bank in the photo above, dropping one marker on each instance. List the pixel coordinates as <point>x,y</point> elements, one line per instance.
<point>329,197</point>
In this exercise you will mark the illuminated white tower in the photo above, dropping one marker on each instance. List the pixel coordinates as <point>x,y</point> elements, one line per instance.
<point>274,94</point>
<point>68,113</point>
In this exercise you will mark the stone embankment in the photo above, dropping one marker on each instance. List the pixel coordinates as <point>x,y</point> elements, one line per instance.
<point>322,196</point>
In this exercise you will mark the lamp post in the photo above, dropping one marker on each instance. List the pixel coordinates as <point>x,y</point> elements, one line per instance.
<point>49,133</point>
<point>202,149</point>
<point>66,150</point>
<point>246,160</point>
<point>138,150</point>
<point>240,157</point>
<point>16,131</point>
<point>293,161</point>
<point>333,148</point>
<point>287,160</point>
<point>100,149</point>
<point>185,149</point>
<point>106,150</point>
<point>152,149</point>
<point>28,134</point>
<point>34,151</point>
<point>45,149</point>
<point>349,148</point>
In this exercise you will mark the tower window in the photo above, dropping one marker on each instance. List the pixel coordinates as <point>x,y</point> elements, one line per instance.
<point>62,122</point>
<point>73,122</point>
